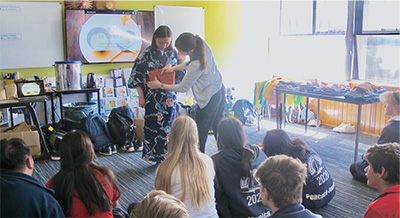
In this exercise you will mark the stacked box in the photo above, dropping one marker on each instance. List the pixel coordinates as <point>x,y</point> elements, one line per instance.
<point>109,92</point>
<point>127,72</point>
<point>116,92</point>
<point>110,103</point>
<point>133,102</point>
<point>109,83</point>
<point>121,91</point>
<point>123,101</point>
<point>119,82</point>
<point>100,81</point>
<point>116,73</point>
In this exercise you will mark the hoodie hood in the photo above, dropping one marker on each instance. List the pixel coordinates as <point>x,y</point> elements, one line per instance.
<point>233,156</point>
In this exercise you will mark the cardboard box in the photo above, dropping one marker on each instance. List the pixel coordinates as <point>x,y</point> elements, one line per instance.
<point>118,82</point>
<point>127,72</point>
<point>109,92</point>
<point>116,73</point>
<point>109,83</point>
<point>122,101</point>
<point>31,138</point>
<point>110,103</point>
<point>121,91</point>
<point>100,81</point>
<point>133,92</point>
<point>133,102</point>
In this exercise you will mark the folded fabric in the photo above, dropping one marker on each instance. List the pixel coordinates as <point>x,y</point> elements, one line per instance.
<point>166,78</point>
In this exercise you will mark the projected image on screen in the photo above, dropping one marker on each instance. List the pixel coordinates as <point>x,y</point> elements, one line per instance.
<point>100,37</point>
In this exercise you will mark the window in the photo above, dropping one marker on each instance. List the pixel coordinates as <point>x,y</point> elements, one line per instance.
<point>313,17</point>
<point>377,28</point>
<point>331,17</point>
<point>312,40</point>
<point>296,17</point>
<point>381,16</point>
<point>378,58</point>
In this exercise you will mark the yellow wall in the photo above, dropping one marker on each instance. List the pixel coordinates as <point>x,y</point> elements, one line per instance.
<point>222,18</point>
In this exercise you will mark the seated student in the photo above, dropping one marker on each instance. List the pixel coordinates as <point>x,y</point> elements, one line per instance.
<point>81,186</point>
<point>236,191</point>
<point>383,174</point>
<point>391,132</point>
<point>160,204</point>
<point>281,178</point>
<point>319,188</point>
<point>187,173</point>
<point>21,194</point>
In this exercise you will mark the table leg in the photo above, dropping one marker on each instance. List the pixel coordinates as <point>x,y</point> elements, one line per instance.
<point>98,100</point>
<point>357,132</point>
<point>52,109</point>
<point>306,121</point>
<point>283,119</point>
<point>61,111</point>
<point>45,112</point>
<point>278,114</point>
<point>319,104</point>
<point>11,116</point>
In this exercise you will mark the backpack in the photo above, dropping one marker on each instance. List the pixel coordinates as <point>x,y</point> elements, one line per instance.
<point>53,136</point>
<point>121,126</point>
<point>245,111</point>
<point>95,126</point>
<point>75,112</point>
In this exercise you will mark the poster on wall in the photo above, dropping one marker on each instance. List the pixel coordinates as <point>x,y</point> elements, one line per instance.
<point>107,36</point>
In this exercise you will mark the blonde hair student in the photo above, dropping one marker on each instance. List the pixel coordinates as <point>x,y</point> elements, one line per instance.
<point>157,203</point>
<point>187,173</point>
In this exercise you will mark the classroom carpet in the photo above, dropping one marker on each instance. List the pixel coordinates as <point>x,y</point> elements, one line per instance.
<point>136,176</point>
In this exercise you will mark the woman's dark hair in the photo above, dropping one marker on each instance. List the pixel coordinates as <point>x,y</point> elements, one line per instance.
<point>76,173</point>
<point>187,42</point>
<point>161,32</point>
<point>231,135</point>
<point>13,153</point>
<point>277,141</point>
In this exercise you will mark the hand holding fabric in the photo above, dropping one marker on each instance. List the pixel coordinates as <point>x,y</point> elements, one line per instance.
<point>156,84</point>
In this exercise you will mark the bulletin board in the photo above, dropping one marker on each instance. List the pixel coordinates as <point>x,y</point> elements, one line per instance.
<point>180,19</point>
<point>31,34</point>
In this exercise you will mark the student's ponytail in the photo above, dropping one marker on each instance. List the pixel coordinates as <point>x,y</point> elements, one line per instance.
<point>200,53</point>
<point>246,162</point>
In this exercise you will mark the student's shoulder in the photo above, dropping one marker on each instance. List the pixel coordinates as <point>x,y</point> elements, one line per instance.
<point>207,159</point>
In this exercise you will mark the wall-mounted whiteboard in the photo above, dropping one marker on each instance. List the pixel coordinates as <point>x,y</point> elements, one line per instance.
<point>180,19</point>
<point>31,34</point>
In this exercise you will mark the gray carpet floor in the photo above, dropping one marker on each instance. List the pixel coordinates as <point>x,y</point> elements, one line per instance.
<point>136,176</point>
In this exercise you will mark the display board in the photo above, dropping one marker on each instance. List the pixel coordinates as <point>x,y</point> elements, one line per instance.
<point>180,19</point>
<point>30,34</point>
